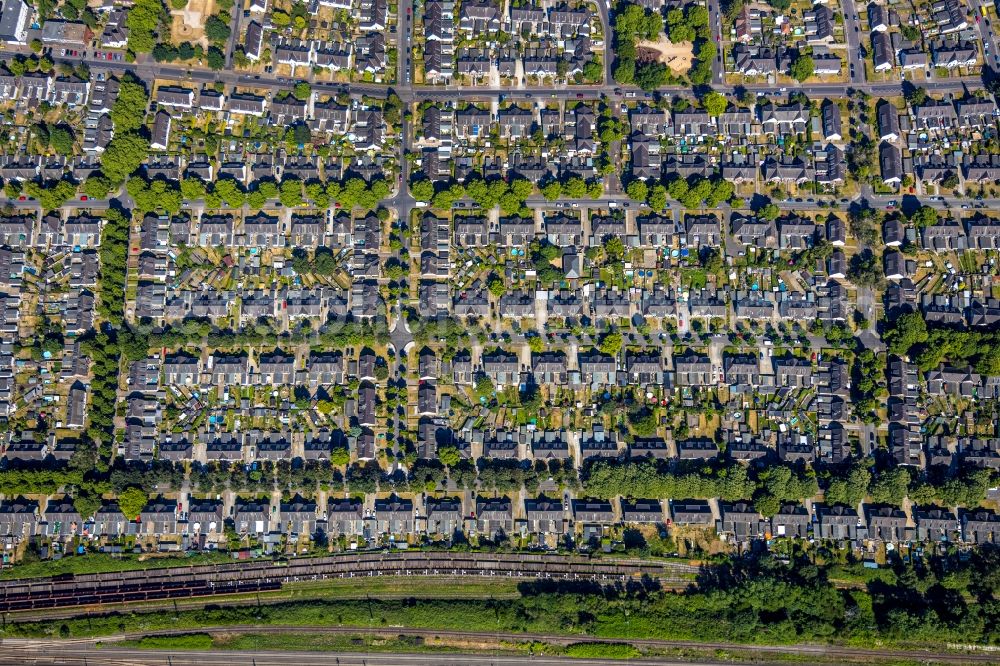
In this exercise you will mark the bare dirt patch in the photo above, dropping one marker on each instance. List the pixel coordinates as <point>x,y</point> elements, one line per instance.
<point>677,57</point>
<point>188,24</point>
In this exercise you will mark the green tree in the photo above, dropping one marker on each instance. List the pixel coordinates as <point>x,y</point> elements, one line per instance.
<point>521,188</point>
<point>97,186</point>
<point>230,191</point>
<point>51,194</point>
<point>124,154</point>
<point>925,216</point>
<point>696,16</point>
<point>164,53</point>
<point>510,204</point>
<point>143,20</point>
<point>132,501</point>
<point>449,456</point>
<point>298,135</point>
<point>484,386</point>
<point>269,189</point>
<point>865,269</point>
<point>192,188</point>
<point>614,248</point>
<point>767,504</point>
<point>637,190</point>
<point>611,343</point>
<point>722,190</point>
<point>302,90</point>
<point>657,197</point>
<point>422,190</point>
<point>158,194</point>
<point>769,212</point>
<point>714,103</point>
<point>340,456</point>
<point>316,191</point>
<point>906,331</point>
<point>701,70</point>
<point>256,199</point>
<point>217,30</point>
<point>624,72</point>
<point>394,269</point>
<point>802,67</point>
<point>851,488</point>
<point>61,139</point>
<point>497,286</point>
<point>890,486</point>
<point>17,66</point>
<point>215,58</point>
<point>642,422</point>
<point>552,190</point>
<point>129,110</point>
<point>291,192</point>
<point>681,33</point>
<point>915,95</point>
<point>711,259</point>
<point>678,188</point>
<point>651,75</point>
<point>574,188</point>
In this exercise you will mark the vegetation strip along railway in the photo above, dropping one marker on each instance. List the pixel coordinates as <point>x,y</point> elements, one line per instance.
<point>241,578</point>
<point>27,647</point>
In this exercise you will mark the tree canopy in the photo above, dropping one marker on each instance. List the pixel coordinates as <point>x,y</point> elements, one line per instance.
<point>129,110</point>
<point>715,103</point>
<point>124,154</point>
<point>132,501</point>
<point>143,20</point>
<point>802,67</point>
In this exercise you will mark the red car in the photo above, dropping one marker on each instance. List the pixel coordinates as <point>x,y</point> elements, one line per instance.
<point>83,198</point>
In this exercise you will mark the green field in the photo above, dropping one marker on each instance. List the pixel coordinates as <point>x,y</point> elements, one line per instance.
<point>306,642</point>
<point>602,651</point>
<point>193,641</point>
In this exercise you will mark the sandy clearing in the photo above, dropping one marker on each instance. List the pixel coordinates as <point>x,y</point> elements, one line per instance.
<point>677,57</point>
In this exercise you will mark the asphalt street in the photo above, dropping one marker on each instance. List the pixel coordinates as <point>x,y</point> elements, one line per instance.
<point>984,23</point>
<point>408,92</point>
<point>715,24</point>
<point>852,31</point>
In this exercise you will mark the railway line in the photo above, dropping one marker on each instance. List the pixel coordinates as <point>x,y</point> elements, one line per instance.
<point>84,651</point>
<point>246,578</point>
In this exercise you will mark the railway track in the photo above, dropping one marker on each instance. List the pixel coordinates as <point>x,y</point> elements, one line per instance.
<point>25,649</point>
<point>239,578</point>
